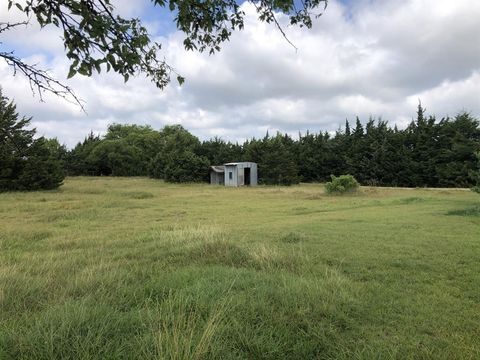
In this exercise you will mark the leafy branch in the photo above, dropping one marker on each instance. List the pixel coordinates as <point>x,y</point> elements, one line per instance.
<point>41,81</point>
<point>95,38</point>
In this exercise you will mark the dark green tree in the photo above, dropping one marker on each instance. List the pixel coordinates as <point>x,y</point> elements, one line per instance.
<point>184,166</point>
<point>143,140</point>
<point>275,158</point>
<point>117,158</point>
<point>357,152</point>
<point>220,152</point>
<point>476,175</point>
<point>308,157</point>
<point>315,157</point>
<point>26,163</point>
<point>79,161</point>
<point>422,141</point>
<point>456,160</point>
<point>336,159</point>
<point>178,158</point>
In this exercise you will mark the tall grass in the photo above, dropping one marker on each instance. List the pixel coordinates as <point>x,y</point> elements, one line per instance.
<point>183,333</point>
<point>112,268</point>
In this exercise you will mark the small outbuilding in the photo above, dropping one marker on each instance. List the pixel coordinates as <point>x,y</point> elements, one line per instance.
<point>217,175</point>
<point>234,174</point>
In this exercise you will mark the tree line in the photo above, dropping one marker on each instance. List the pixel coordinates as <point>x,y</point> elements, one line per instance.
<point>427,152</point>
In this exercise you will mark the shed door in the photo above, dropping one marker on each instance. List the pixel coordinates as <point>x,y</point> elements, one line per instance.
<point>247,176</point>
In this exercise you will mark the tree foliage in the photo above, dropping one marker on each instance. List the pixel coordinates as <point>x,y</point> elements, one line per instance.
<point>476,175</point>
<point>178,158</point>
<point>427,153</point>
<point>184,166</point>
<point>26,163</point>
<point>275,157</point>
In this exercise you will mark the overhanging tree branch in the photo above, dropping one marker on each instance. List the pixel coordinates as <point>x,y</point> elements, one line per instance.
<point>96,38</point>
<point>41,81</point>
<point>9,26</point>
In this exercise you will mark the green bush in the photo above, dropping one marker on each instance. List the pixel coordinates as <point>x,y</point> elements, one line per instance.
<point>341,184</point>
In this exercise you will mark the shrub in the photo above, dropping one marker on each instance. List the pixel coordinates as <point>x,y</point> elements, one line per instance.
<point>341,184</point>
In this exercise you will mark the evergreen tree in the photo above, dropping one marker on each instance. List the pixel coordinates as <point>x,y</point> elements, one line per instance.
<point>275,158</point>
<point>347,128</point>
<point>423,136</point>
<point>79,161</point>
<point>26,163</point>
<point>310,157</point>
<point>476,175</point>
<point>356,152</point>
<point>459,141</point>
<point>220,152</point>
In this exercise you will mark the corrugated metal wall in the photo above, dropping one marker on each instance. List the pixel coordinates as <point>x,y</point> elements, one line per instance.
<point>253,174</point>
<point>235,174</point>
<point>231,175</point>
<point>216,178</point>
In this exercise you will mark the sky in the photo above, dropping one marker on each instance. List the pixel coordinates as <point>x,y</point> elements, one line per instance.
<point>365,58</point>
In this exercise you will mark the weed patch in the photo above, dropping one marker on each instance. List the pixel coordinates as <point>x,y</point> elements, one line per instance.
<point>219,252</point>
<point>410,200</point>
<point>138,195</point>
<point>292,238</point>
<point>473,211</point>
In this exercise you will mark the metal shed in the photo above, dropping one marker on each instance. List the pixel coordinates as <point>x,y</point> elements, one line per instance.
<point>217,175</point>
<point>234,174</point>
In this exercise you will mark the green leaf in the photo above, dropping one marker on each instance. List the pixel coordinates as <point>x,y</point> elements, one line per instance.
<point>72,72</point>
<point>84,69</point>
<point>180,80</point>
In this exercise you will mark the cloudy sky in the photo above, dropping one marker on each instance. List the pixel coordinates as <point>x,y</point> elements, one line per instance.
<point>362,58</point>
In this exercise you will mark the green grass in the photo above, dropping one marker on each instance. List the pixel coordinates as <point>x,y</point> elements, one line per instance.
<point>117,268</point>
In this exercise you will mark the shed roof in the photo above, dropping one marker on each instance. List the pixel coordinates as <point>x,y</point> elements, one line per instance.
<point>238,163</point>
<point>218,168</point>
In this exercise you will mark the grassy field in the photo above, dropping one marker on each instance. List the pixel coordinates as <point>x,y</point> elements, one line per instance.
<point>117,268</point>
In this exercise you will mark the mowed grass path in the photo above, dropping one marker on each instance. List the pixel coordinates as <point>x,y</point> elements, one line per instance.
<point>132,268</point>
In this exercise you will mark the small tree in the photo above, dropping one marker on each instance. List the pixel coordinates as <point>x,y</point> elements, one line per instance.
<point>26,163</point>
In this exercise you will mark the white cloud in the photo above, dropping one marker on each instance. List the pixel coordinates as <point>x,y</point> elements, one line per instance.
<point>465,92</point>
<point>373,58</point>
